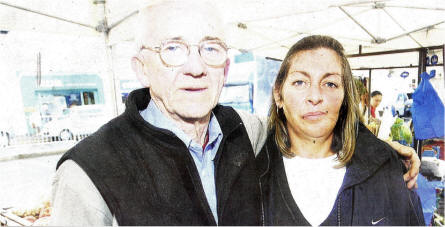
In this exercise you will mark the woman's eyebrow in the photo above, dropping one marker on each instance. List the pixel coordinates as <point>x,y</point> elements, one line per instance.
<point>304,73</point>
<point>300,72</point>
<point>331,74</point>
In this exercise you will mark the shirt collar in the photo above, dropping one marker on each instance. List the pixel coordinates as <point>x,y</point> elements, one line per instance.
<point>154,116</point>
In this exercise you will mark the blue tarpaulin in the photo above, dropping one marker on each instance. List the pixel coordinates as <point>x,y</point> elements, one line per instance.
<point>427,193</point>
<point>427,110</point>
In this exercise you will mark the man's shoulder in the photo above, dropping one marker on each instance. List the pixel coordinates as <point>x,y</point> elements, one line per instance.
<point>256,128</point>
<point>104,134</point>
<point>99,143</point>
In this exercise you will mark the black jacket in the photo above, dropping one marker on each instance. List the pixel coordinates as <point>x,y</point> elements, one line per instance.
<point>373,191</point>
<point>147,176</point>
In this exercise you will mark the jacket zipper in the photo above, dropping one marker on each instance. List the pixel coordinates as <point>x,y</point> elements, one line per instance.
<point>338,210</point>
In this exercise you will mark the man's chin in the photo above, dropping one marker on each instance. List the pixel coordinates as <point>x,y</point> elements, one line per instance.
<point>194,114</point>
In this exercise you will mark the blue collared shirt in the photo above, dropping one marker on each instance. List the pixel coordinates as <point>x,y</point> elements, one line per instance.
<point>204,159</point>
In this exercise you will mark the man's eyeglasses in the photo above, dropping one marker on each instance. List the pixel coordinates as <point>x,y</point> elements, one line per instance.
<point>176,52</point>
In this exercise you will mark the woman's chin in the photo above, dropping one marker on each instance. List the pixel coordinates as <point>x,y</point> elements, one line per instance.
<point>317,133</point>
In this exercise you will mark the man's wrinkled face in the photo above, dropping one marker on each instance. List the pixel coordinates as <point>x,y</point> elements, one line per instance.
<point>189,91</point>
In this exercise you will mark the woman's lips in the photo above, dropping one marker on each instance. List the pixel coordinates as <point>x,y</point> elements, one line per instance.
<point>314,115</point>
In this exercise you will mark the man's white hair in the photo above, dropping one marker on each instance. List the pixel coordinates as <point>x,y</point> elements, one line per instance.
<point>146,12</point>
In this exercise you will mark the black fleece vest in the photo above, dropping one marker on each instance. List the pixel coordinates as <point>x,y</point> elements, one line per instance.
<point>147,176</point>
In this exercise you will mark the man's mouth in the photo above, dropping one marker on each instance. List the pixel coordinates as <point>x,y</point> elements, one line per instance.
<point>194,89</point>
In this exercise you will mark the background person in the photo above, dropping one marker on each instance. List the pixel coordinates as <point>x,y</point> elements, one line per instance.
<point>376,99</point>
<point>319,165</point>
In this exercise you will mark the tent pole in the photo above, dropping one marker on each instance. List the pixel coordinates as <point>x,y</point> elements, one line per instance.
<point>111,77</point>
<point>46,15</point>
<point>356,22</point>
<point>369,96</point>
<point>398,51</point>
<point>422,68</point>
<point>401,27</point>
<point>415,30</point>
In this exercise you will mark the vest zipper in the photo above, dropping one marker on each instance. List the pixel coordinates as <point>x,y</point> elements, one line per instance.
<point>262,205</point>
<point>216,164</point>
<point>261,188</point>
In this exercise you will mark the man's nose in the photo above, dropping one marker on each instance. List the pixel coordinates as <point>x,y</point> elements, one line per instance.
<point>314,95</point>
<point>195,66</point>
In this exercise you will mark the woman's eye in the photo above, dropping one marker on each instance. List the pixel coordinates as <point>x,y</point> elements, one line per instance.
<point>299,83</point>
<point>331,85</point>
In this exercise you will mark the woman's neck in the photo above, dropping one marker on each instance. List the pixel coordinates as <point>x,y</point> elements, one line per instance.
<point>307,147</point>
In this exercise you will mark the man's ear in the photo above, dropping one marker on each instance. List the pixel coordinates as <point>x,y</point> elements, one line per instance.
<point>138,68</point>
<point>277,97</point>
<point>226,69</point>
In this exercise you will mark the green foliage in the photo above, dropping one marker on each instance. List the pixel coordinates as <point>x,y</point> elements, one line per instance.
<point>401,133</point>
<point>361,89</point>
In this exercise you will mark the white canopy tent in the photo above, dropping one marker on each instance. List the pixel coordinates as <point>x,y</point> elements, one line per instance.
<point>264,27</point>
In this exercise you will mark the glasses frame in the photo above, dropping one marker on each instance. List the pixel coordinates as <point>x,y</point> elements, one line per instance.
<point>158,49</point>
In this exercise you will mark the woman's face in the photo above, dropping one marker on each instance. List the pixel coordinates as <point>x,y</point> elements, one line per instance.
<point>376,100</point>
<point>312,93</point>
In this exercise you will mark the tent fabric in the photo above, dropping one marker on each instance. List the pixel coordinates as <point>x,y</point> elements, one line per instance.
<point>427,110</point>
<point>265,27</point>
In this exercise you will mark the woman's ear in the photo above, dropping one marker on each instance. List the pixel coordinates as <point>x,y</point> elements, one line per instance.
<point>138,68</point>
<point>277,97</point>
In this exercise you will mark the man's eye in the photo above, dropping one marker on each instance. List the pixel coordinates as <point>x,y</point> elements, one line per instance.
<point>211,48</point>
<point>172,48</point>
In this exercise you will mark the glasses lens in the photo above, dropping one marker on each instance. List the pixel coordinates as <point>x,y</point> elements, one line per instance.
<point>174,53</point>
<point>213,53</point>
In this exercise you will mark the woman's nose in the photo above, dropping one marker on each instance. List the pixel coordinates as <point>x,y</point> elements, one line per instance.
<point>314,96</point>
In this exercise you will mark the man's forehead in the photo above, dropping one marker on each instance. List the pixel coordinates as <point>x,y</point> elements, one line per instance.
<point>176,19</point>
<point>206,38</point>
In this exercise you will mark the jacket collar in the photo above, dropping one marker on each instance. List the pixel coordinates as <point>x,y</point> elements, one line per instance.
<point>139,99</point>
<point>370,153</point>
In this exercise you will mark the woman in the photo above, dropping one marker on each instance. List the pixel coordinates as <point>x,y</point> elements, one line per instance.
<point>320,166</point>
<point>376,99</point>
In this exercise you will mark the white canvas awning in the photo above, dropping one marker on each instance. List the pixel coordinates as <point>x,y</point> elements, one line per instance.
<point>265,27</point>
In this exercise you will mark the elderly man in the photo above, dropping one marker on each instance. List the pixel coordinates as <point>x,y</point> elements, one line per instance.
<point>174,157</point>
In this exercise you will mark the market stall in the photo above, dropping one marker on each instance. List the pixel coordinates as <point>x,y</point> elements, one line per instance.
<point>86,46</point>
